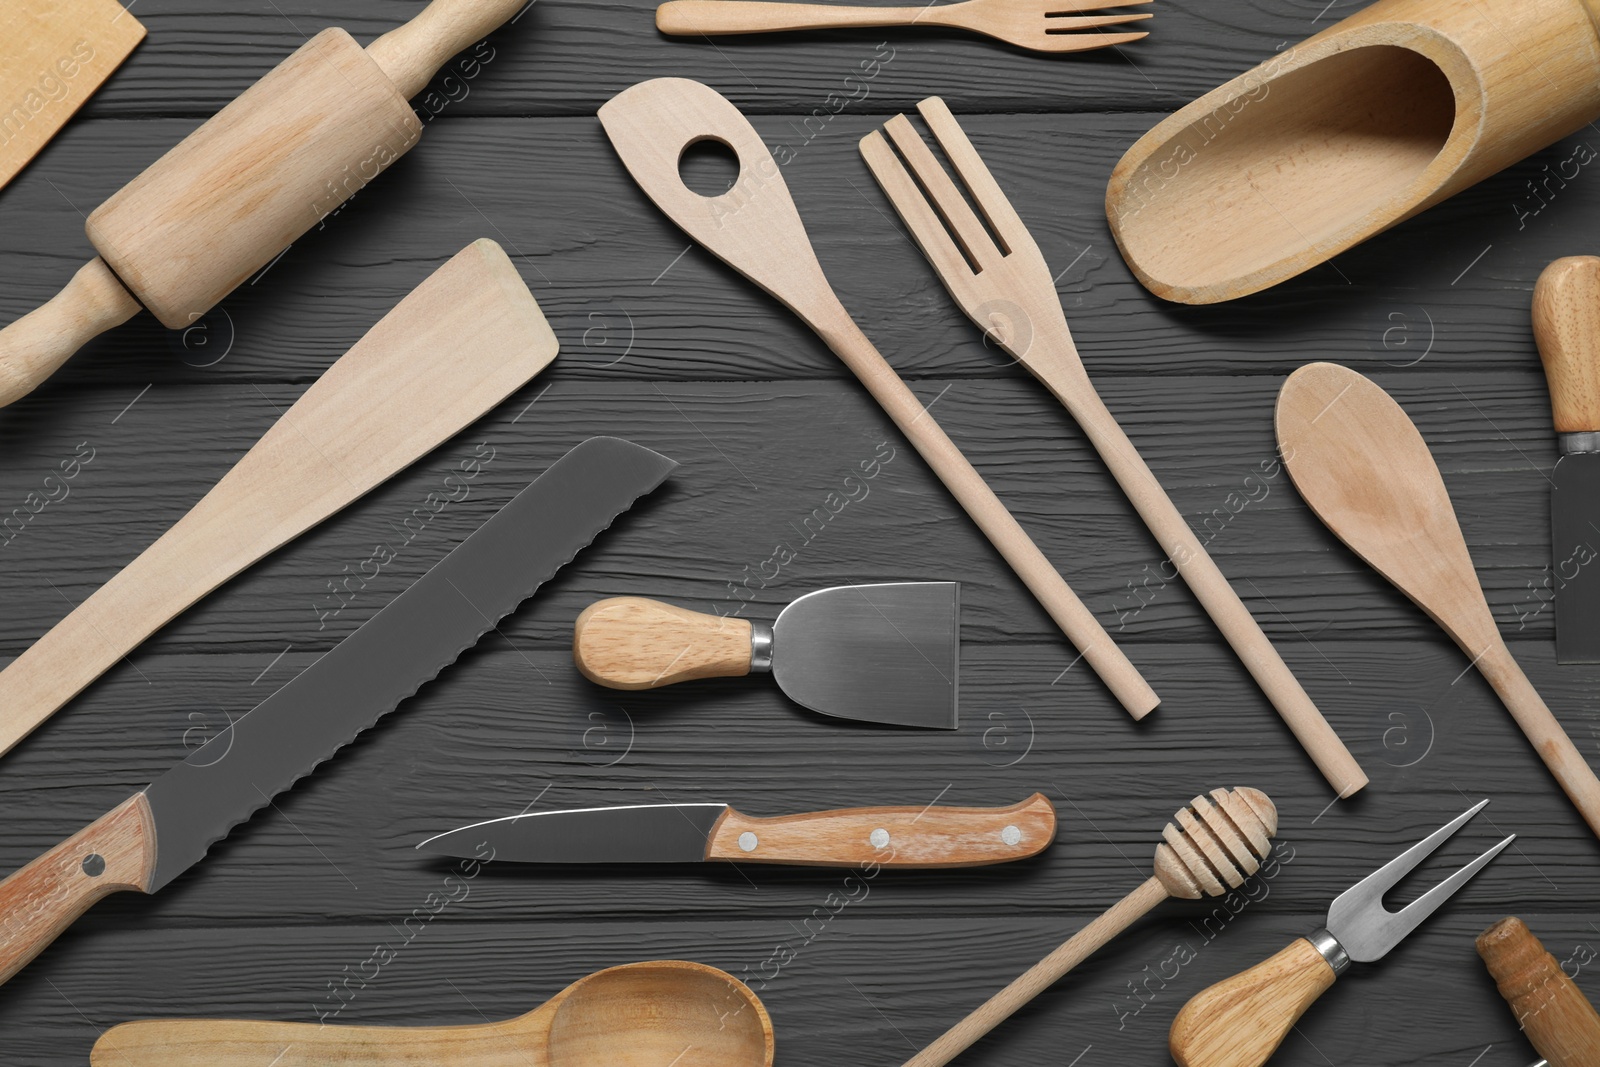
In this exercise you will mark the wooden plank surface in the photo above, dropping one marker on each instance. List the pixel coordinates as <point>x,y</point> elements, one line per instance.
<point>669,348</point>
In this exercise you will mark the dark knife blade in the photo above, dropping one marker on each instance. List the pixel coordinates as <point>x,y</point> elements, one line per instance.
<point>157,834</point>
<point>1575,553</point>
<point>636,833</point>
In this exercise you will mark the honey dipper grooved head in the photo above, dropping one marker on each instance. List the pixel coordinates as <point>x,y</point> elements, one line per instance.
<point>1216,842</point>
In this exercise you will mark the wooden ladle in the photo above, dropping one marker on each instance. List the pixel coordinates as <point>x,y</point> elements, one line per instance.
<point>1391,111</point>
<point>1367,473</point>
<point>638,1015</point>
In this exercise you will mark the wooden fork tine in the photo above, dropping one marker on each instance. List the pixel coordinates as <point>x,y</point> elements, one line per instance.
<point>964,223</point>
<point>1072,7</point>
<point>1063,23</point>
<point>927,229</point>
<point>969,165</point>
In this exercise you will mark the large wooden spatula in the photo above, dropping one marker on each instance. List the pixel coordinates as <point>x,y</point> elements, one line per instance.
<point>1365,470</point>
<point>238,190</point>
<point>460,343</point>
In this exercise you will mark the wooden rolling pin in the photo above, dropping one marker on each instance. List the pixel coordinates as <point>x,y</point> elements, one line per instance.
<point>237,191</point>
<point>1559,1021</point>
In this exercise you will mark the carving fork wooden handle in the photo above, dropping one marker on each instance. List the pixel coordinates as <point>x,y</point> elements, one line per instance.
<point>1241,1021</point>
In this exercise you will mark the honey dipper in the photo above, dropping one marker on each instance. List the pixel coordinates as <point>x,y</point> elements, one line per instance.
<point>1212,845</point>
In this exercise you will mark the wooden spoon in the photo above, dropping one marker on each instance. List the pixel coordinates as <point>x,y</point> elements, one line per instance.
<point>1367,473</point>
<point>1328,143</point>
<point>638,1015</point>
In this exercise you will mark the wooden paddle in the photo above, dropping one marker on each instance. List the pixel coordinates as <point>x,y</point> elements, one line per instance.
<point>460,343</point>
<point>1367,473</point>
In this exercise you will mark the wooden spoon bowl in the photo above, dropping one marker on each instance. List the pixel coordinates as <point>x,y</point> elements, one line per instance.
<point>638,1015</point>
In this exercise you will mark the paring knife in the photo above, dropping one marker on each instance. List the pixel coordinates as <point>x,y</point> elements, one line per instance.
<point>1566,323</point>
<point>918,836</point>
<point>878,653</point>
<point>157,834</point>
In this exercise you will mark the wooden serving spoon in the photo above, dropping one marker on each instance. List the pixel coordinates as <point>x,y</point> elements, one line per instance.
<point>1211,846</point>
<point>638,1015</point>
<point>1328,143</point>
<point>1367,473</point>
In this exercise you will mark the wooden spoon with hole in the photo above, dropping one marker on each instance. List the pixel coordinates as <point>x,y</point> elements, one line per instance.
<point>638,1015</point>
<point>1367,473</point>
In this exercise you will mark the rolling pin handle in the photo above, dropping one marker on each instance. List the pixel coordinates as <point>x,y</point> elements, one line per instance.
<point>411,54</point>
<point>35,345</point>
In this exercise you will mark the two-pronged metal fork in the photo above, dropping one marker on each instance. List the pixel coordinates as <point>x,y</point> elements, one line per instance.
<point>998,276</point>
<point>1042,25</point>
<point>1239,1022</point>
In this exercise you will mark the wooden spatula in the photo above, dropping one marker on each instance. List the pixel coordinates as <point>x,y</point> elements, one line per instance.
<point>53,56</point>
<point>1367,473</point>
<point>455,347</point>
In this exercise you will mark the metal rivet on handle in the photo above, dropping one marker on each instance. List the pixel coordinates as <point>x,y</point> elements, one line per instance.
<point>94,865</point>
<point>1011,835</point>
<point>748,841</point>
<point>879,838</point>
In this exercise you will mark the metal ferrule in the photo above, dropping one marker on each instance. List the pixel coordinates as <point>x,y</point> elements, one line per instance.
<point>760,648</point>
<point>1577,444</point>
<point>1331,950</point>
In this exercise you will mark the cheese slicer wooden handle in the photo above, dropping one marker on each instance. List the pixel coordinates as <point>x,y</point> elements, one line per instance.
<point>198,222</point>
<point>1241,1021</point>
<point>631,642</point>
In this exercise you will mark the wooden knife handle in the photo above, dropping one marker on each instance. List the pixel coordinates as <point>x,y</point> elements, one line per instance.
<point>712,17</point>
<point>115,852</point>
<point>1241,1021</point>
<point>412,54</point>
<point>888,837</point>
<point>1552,1011</point>
<point>35,345</point>
<point>630,642</point>
<point>1566,324</point>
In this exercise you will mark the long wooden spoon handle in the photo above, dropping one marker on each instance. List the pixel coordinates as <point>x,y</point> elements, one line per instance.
<point>1041,976</point>
<point>1004,532</point>
<point>114,853</point>
<point>1241,1021</point>
<point>411,54</point>
<point>256,1043</point>
<point>35,345</point>
<point>1541,727</point>
<point>1210,587</point>
<point>712,17</point>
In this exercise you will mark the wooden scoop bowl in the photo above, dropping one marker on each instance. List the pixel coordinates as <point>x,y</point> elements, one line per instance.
<point>1365,470</point>
<point>638,1015</point>
<point>1398,107</point>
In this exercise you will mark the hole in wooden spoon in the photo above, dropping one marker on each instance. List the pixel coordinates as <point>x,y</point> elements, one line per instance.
<point>708,167</point>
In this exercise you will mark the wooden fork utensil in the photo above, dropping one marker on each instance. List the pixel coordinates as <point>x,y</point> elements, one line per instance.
<point>1041,25</point>
<point>755,228</point>
<point>1004,285</point>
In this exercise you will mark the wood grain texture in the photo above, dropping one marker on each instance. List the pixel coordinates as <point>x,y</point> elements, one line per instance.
<point>927,836</point>
<point>1549,1007</point>
<point>1240,1022</point>
<point>638,643</point>
<point>411,382</point>
<point>33,347</point>
<point>1566,324</point>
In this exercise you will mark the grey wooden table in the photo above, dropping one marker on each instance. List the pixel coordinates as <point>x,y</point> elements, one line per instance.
<point>664,345</point>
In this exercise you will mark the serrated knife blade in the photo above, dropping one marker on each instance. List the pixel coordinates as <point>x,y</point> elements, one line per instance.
<point>157,834</point>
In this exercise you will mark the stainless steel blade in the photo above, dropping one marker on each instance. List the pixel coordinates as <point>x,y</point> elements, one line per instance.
<point>880,653</point>
<point>1575,556</point>
<point>640,833</point>
<point>406,644</point>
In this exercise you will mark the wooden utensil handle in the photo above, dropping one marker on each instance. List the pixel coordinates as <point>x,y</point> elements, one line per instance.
<point>631,642</point>
<point>1240,1022</point>
<point>1041,975</point>
<point>888,837</point>
<point>412,54</point>
<point>1540,726</point>
<point>256,1043</point>
<point>1566,324</point>
<point>32,347</point>
<point>1200,573</point>
<point>115,852</point>
<point>1559,1021</point>
<point>713,17</point>
<point>968,487</point>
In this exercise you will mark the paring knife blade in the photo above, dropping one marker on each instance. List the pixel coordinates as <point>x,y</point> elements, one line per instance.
<point>917,836</point>
<point>157,834</point>
<point>1566,323</point>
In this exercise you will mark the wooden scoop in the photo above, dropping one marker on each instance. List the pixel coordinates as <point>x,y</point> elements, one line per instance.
<point>459,344</point>
<point>1211,846</point>
<point>238,190</point>
<point>638,1015</point>
<point>1367,473</point>
<point>1391,111</point>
